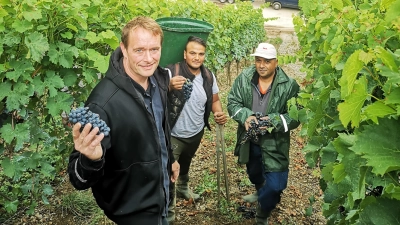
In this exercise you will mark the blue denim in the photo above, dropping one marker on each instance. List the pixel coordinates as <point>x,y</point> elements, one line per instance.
<point>269,195</point>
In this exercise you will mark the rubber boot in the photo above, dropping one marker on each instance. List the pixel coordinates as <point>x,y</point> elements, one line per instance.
<point>261,216</point>
<point>183,190</point>
<point>172,206</point>
<point>253,197</point>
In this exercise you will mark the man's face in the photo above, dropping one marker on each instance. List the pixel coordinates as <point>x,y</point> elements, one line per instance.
<point>142,54</point>
<point>265,67</point>
<point>194,55</point>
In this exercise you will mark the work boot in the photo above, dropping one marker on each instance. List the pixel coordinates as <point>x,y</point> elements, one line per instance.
<point>171,206</point>
<point>183,190</point>
<point>253,197</point>
<point>261,216</point>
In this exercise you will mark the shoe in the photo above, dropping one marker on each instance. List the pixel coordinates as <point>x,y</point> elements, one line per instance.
<point>183,190</point>
<point>172,206</point>
<point>251,197</point>
<point>261,216</point>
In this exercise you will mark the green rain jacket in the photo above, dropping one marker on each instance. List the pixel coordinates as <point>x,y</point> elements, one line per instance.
<point>275,145</point>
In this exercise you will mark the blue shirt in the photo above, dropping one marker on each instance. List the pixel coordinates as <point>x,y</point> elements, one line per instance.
<point>154,106</point>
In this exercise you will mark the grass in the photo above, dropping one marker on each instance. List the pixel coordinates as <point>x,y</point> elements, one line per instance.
<point>81,204</point>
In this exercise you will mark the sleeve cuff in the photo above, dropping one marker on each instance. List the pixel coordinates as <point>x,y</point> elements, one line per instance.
<point>89,164</point>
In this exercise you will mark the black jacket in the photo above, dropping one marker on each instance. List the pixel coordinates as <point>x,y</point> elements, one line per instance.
<point>176,97</point>
<point>127,182</point>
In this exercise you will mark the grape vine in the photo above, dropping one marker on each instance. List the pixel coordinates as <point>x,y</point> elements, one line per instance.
<point>351,100</point>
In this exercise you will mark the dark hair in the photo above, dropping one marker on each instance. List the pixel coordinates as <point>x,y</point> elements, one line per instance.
<point>197,40</point>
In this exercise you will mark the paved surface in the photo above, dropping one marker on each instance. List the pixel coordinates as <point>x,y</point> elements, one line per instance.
<point>284,19</point>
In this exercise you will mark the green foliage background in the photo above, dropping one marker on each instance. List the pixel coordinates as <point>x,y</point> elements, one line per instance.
<point>350,106</point>
<point>52,53</point>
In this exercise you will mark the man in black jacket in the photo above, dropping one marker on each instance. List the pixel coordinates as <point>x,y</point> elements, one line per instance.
<point>129,170</point>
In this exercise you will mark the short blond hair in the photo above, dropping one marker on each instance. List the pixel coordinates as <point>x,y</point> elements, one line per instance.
<point>144,22</point>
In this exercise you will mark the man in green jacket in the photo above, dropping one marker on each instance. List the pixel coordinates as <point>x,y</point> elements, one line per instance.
<point>264,88</point>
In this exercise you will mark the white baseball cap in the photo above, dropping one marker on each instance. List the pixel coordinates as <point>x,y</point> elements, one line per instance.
<point>265,50</point>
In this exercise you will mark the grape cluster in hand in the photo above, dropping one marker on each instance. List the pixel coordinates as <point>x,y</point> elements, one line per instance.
<point>84,116</point>
<point>254,130</point>
<point>187,89</point>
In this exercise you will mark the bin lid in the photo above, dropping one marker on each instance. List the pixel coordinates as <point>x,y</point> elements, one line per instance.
<point>179,24</point>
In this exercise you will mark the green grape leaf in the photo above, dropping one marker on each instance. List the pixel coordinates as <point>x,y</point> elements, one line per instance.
<point>45,200</point>
<point>92,37</point>
<point>69,76</point>
<point>3,13</point>
<point>5,89</point>
<point>32,15</point>
<point>392,13</point>
<point>37,45</point>
<point>378,109</point>
<point>8,167</point>
<point>20,133</point>
<point>338,4</point>
<point>47,170</point>
<point>22,26</point>
<point>47,189</point>
<point>366,57</point>
<point>100,61</point>
<point>110,38</point>
<point>350,71</point>
<point>379,145</point>
<point>392,191</point>
<point>350,109</point>
<point>22,68</point>
<point>382,211</point>
<point>67,54</point>
<point>392,98</point>
<point>11,38</point>
<point>11,207</point>
<point>387,58</point>
<point>32,160</point>
<point>315,119</point>
<point>53,81</point>
<point>39,86</point>
<point>61,102</point>
<point>67,35</point>
<point>338,173</point>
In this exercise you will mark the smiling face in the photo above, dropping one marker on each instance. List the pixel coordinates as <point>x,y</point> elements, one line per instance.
<point>194,56</point>
<point>142,55</point>
<point>265,67</point>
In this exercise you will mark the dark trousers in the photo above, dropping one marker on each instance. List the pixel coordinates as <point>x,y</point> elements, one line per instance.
<point>184,150</point>
<point>269,195</point>
<point>164,221</point>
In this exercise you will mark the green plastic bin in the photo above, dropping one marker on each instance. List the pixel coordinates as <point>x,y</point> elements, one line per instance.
<point>176,32</point>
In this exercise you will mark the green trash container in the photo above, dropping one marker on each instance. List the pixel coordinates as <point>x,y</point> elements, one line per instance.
<point>176,32</point>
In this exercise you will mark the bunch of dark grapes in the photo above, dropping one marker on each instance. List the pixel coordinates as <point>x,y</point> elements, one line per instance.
<point>254,130</point>
<point>187,89</point>
<point>84,116</point>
